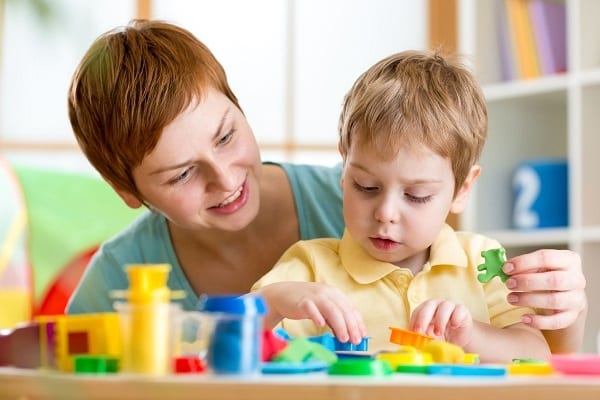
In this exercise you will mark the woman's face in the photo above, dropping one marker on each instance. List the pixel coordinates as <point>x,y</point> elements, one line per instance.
<point>204,172</point>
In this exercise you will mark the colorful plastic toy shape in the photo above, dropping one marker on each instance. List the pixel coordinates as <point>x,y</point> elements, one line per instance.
<point>95,364</point>
<point>404,337</point>
<point>494,260</point>
<point>444,352</point>
<point>467,370</point>
<point>348,346</point>
<point>361,367</point>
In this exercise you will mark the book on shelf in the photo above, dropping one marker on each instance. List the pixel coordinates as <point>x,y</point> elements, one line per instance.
<point>531,37</point>
<point>522,36</point>
<point>549,23</point>
<point>505,44</point>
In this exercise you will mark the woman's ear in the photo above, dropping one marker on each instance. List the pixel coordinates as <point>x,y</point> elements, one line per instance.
<point>128,198</point>
<point>462,196</point>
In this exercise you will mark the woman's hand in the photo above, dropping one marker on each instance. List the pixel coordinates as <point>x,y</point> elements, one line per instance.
<point>552,282</point>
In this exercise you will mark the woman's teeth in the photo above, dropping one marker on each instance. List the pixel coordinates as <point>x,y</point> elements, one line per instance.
<point>231,198</point>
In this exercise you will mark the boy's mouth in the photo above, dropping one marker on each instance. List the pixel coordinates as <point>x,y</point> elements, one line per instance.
<point>383,243</point>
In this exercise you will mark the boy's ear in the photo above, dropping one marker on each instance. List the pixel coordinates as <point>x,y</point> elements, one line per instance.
<point>343,163</point>
<point>462,196</point>
<point>130,199</point>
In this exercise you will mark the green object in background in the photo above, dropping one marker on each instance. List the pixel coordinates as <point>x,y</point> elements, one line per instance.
<point>95,364</point>
<point>68,214</point>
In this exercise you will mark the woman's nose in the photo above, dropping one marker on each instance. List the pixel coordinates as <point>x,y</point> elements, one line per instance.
<point>221,178</point>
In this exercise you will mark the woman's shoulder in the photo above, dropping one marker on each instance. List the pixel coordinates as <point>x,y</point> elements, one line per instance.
<point>139,242</point>
<point>312,174</point>
<point>318,199</point>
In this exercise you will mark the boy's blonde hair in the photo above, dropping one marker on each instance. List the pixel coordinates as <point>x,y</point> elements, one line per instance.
<point>417,98</point>
<point>131,83</point>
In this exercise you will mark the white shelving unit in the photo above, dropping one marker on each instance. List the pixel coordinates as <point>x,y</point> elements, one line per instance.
<point>547,117</point>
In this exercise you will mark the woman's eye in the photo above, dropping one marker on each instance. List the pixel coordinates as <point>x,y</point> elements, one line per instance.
<point>417,199</point>
<point>226,138</point>
<point>181,177</point>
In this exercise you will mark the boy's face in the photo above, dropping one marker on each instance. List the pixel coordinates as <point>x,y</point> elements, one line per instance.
<point>395,208</point>
<point>204,171</point>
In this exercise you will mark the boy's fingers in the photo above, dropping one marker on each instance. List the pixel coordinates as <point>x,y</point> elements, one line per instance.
<point>422,317</point>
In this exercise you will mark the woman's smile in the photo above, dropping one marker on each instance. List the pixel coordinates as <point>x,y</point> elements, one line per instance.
<point>234,202</point>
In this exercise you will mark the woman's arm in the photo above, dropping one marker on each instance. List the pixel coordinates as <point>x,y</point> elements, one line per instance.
<point>495,344</point>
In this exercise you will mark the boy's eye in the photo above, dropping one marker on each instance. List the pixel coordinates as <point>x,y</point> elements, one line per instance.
<point>364,188</point>
<point>418,199</point>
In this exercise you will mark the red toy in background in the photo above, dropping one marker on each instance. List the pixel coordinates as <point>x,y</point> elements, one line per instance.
<point>60,289</point>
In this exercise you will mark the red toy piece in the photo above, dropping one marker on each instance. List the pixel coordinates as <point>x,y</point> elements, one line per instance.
<point>189,364</point>
<point>271,344</point>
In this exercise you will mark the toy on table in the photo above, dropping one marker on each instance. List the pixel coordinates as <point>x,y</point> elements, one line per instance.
<point>95,364</point>
<point>361,366</point>
<point>448,353</point>
<point>349,346</point>
<point>576,364</point>
<point>147,320</point>
<point>494,260</point>
<point>467,370</point>
<point>235,342</point>
<point>189,364</point>
<point>404,337</point>
<point>530,366</point>
<point>299,356</point>
<point>407,360</point>
<point>51,342</point>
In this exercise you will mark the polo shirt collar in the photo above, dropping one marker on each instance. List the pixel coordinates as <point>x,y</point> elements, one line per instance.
<point>445,250</point>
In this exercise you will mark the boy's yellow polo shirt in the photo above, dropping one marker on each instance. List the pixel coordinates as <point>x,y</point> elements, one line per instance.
<point>385,294</point>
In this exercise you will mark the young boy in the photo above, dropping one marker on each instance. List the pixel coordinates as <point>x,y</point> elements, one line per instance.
<point>411,132</point>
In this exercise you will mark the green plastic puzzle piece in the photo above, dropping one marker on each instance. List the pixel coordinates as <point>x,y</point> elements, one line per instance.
<point>297,350</point>
<point>494,260</point>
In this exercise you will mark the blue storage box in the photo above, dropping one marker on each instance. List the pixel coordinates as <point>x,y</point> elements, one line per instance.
<point>541,194</point>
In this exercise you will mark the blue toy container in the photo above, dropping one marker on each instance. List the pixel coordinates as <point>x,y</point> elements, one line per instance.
<point>541,194</point>
<point>235,344</point>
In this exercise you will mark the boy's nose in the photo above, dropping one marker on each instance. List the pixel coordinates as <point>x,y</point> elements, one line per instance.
<point>388,212</point>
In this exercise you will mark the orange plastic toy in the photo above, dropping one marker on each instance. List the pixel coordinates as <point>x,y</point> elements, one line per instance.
<point>405,337</point>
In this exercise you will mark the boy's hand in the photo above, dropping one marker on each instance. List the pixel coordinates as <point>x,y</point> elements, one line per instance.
<point>443,319</point>
<point>323,304</point>
<point>550,281</point>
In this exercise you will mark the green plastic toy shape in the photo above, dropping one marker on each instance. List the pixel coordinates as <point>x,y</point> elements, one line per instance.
<point>494,260</point>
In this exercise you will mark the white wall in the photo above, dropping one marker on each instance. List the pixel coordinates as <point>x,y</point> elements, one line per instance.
<point>290,62</point>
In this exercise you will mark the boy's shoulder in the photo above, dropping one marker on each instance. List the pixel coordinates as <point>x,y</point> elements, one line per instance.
<point>328,244</point>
